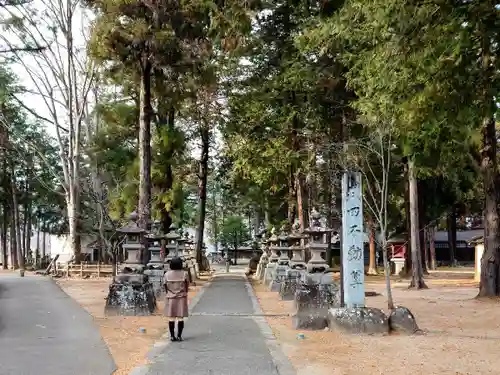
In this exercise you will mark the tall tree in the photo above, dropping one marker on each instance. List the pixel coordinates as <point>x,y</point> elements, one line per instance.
<point>60,78</point>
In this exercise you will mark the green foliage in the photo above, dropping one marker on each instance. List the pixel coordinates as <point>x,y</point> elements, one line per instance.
<point>233,232</point>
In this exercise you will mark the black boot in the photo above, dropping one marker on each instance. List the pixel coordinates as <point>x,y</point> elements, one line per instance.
<point>171,328</point>
<point>180,327</point>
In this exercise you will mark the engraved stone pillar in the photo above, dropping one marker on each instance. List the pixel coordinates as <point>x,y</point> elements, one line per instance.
<point>352,240</point>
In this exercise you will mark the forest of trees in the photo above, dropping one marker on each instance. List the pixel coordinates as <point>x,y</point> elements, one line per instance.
<point>233,114</point>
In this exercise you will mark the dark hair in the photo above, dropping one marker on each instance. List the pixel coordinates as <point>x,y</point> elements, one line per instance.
<point>176,264</point>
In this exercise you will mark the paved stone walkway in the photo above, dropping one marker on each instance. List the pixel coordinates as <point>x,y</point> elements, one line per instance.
<point>224,336</point>
<point>44,332</point>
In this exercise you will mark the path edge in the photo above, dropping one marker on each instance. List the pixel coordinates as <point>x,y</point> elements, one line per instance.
<point>54,281</point>
<point>159,346</point>
<point>281,361</point>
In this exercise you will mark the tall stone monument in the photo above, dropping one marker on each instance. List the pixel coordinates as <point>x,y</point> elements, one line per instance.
<point>352,240</point>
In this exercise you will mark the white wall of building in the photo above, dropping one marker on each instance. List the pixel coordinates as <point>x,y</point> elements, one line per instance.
<point>58,245</point>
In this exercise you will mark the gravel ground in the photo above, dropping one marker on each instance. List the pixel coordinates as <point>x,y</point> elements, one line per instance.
<point>127,344</point>
<point>461,338</point>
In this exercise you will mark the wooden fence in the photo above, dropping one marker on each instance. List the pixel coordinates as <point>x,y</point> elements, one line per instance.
<point>85,269</point>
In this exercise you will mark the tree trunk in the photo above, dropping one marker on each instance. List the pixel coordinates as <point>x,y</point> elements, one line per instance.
<point>451,226</point>
<point>167,181</point>
<point>489,285</point>
<point>5,227</point>
<point>144,209</point>
<point>490,262</point>
<point>387,271</point>
<point>372,267</point>
<point>292,197</point>
<point>417,275</point>
<point>13,243</point>
<point>422,222</point>
<point>27,227</point>
<point>408,257</point>
<point>16,222</point>
<point>432,248</point>
<point>202,191</point>
<point>44,232</point>
<point>38,253</point>
<point>24,228</point>
<point>302,206</point>
<point>73,236</point>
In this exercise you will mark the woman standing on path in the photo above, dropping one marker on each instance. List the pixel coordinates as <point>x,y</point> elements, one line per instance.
<point>176,305</point>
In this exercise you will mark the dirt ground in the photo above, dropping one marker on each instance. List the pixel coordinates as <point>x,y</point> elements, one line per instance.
<point>127,344</point>
<point>461,333</point>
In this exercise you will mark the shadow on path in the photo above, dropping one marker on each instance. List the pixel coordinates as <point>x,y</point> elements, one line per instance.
<point>45,332</point>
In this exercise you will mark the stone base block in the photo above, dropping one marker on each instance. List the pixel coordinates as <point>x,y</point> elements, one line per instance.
<point>402,320</point>
<point>311,319</point>
<point>287,290</point>
<point>130,278</point>
<point>366,320</point>
<point>130,299</point>
<point>156,279</point>
<point>275,286</point>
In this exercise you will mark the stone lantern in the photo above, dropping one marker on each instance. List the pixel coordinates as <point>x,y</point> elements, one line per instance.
<point>181,246</point>
<point>134,244</point>
<point>155,266</point>
<point>283,261</point>
<point>189,254</point>
<point>273,258</point>
<point>274,243</point>
<point>283,248</point>
<point>130,292</point>
<point>264,258</point>
<point>295,239</point>
<point>317,292</point>
<point>171,244</point>
<point>316,244</point>
<point>297,266</point>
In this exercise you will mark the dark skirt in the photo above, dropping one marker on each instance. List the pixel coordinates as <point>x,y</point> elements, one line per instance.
<point>176,307</point>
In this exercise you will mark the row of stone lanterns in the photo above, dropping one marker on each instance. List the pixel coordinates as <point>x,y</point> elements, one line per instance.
<point>310,285</point>
<point>134,290</point>
<point>285,242</point>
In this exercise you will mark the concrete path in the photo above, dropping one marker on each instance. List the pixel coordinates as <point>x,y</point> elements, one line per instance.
<point>44,332</point>
<point>225,335</point>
